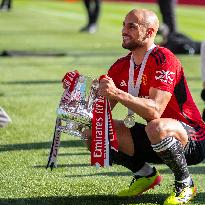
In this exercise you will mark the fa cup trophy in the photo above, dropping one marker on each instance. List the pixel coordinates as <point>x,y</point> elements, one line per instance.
<point>77,113</point>
<point>74,113</point>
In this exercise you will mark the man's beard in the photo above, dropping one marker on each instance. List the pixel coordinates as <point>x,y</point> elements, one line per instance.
<point>132,45</point>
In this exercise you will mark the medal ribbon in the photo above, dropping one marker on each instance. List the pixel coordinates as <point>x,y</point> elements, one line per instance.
<point>104,135</point>
<point>69,80</point>
<point>134,89</point>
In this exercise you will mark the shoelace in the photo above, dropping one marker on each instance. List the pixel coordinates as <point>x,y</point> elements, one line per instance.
<point>134,179</point>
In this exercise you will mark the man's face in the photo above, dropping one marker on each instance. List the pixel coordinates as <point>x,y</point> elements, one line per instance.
<point>133,32</point>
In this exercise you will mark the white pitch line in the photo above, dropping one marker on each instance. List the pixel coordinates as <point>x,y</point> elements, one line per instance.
<point>74,16</point>
<point>69,14</point>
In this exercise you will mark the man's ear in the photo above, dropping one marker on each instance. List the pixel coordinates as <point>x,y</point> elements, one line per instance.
<point>150,31</point>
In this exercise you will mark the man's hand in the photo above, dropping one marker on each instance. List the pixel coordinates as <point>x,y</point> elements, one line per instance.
<point>107,88</point>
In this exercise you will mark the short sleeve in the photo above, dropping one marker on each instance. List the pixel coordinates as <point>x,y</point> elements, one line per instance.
<point>165,74</point>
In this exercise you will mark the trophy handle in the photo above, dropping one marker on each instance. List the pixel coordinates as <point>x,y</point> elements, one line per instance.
<point>93,94</point>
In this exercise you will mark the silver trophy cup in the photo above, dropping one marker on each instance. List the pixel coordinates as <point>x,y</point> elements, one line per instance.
<point>76,112</point>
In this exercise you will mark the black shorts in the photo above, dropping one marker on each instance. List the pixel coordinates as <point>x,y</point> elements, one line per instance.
<point>194,150</point>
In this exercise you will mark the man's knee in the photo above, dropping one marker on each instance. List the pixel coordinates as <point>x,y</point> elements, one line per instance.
<point>155,130</point>
<point>154,127</point>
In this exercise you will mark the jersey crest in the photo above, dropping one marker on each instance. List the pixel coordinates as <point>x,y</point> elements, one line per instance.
<point>123,83</point>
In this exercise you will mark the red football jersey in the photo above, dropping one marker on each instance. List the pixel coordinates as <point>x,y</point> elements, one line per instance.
<point>162,71</point>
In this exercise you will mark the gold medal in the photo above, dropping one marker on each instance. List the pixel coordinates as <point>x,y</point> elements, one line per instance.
<point>129,121</point>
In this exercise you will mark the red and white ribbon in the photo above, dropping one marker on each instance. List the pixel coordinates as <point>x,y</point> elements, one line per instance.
<point>103,133</point>
<point>69,81</point>
<point>134,89</point>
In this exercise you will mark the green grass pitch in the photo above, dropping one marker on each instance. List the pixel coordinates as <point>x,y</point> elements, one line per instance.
<point>30,90</point>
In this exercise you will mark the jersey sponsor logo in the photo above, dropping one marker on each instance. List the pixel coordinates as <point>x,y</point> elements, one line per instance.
<point>123,83</point>
<point>165,76</point>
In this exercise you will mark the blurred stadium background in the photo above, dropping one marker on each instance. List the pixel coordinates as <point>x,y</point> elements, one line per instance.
<point>43,39</point>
